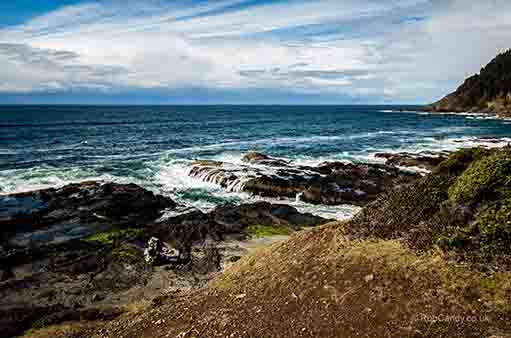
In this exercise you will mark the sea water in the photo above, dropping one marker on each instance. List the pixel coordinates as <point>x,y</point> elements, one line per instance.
<point>154,146</point>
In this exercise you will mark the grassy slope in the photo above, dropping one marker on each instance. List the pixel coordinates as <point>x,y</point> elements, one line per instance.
<point>318,284</point>
<point>366,277</point>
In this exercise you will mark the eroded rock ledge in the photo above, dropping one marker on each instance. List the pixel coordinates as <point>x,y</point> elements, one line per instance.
<point>330,183</point>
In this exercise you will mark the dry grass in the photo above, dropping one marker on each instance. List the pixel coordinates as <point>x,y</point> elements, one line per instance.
<point>318,284</point>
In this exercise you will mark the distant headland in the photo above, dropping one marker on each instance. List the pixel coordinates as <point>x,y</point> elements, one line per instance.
<point>486,93</point>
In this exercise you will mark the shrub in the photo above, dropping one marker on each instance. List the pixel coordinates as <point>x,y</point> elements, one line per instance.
<point>495,227</point>
<point>486,179</point>
<point>457,162</point>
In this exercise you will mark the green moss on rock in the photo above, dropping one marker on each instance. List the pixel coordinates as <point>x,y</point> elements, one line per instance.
<point>107,238</point>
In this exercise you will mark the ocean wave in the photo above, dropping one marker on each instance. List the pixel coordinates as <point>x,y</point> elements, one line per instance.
<point>196,194</point>
<point>23,180</point>
<point>169,175</point>
<point>285,141</point>
<point>5,151</point>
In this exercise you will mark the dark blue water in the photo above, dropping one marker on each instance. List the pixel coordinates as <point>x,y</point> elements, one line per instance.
<point>42,146</point>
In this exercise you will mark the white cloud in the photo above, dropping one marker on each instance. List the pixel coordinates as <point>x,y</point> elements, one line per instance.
<point>401,50</point>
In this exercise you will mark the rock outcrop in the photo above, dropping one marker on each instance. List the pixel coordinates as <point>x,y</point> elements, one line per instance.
<point>76,210</point>
<point>425,162</point>
<point>486,93</point>
<point>186,229</point>
<point>158,253</point>
<point>332,183</point>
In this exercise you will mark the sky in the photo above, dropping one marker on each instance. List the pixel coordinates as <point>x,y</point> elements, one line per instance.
<point>245,51</point>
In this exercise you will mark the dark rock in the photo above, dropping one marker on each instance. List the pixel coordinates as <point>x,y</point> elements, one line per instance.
<point>234,259</point>
<point>254,156</point>
<point>233,219</point>
<point>6,274</point>
<point>426,162</point>
<point>41,240</point>
<point>185,230</point>
<point>330,183</point>
<point>97,298</point>
<point>262,159</point>
<point>75,211</point>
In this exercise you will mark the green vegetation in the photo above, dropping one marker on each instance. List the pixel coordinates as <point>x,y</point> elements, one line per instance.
<point>495,226</point>
<point>126,253</point>
<point>107,238</point>
<point>488,177</point>
<point>456,238</point>
<point>464,206</point>
<point>259,231</point>
<point>457,162</point>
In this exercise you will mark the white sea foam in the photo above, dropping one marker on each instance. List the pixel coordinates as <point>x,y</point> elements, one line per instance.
<point>16,181</point>
<point>428,145</point>
<point>174,179</point>
<point>468,115</point>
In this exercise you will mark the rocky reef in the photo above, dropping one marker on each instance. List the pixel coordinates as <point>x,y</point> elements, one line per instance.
<point>486,93</point>
<point>330,183</point>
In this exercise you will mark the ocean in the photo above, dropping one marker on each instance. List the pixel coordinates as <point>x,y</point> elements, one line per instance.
<point>154,146</point>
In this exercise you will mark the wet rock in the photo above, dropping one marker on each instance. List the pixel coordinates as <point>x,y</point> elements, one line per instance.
<point>75,211</point>
<point>233,219</point>
<point>262,159</point>
<point>195,227</point>
<point>423,161</point>
<point>332,183</point>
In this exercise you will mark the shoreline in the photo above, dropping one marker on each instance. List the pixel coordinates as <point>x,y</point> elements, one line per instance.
<point>120,223</point>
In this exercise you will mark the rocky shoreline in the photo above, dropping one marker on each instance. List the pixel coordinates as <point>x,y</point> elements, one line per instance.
<point>87,249</point>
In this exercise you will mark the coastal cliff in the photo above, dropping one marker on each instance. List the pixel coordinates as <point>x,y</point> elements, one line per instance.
<point>486,93</point>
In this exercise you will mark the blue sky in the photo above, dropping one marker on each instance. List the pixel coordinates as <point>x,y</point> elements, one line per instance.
<point>245,51</point>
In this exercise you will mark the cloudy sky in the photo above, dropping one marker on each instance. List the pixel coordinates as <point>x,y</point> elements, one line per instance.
<point>245,51</point>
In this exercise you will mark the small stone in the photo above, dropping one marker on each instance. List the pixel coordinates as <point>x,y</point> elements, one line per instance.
<point>96,298</point>
<point>369,278</point>
<point>241,296</point>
